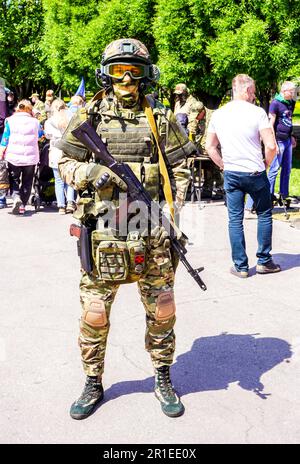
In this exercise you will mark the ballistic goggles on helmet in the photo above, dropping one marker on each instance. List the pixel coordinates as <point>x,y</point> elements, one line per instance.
<point>118,70</point>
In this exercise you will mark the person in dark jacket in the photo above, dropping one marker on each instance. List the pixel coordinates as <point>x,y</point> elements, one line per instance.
<point>11,102</point>
<point>280,114</point>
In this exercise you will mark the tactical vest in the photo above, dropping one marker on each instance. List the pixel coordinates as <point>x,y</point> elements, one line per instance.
<point>128,138</point>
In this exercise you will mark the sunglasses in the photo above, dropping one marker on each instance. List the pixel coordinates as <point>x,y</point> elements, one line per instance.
<point>118,70</point>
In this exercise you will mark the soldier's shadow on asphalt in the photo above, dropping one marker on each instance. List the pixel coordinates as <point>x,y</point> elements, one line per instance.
<point>213,363</point>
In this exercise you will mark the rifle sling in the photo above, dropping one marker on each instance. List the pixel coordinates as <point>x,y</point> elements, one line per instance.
<point>162,164</point>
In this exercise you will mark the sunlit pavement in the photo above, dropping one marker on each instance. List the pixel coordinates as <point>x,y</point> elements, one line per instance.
<point>237,363</point>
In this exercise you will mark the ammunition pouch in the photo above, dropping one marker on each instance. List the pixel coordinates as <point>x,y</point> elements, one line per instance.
<point>85,208</point>
<point>115,260</point>
<point>137,253</point>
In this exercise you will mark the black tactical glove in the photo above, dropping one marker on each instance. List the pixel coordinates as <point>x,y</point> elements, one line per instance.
<point>101,176</point>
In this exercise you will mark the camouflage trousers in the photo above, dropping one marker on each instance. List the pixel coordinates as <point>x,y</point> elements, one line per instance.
<point>155,285</point>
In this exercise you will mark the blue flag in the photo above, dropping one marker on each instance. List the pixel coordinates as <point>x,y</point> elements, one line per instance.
<point>81,89</point>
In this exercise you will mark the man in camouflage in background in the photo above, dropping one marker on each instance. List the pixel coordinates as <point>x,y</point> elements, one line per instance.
<point>194,118</point>
<point>186,104</point>
<point>213,178</point>
<point>118,115</point>
<point>38,110</point>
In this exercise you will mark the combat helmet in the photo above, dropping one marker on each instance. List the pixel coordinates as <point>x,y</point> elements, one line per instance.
<point>127,52</point>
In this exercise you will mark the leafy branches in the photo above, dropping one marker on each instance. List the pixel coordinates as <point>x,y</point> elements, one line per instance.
<point>201,42</point>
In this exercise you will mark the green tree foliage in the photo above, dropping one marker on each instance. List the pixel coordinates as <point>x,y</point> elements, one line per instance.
<point>76,34</point>
<point>201,42</point>
<point>21,60</point>
<point>65,32</point>
<point>181,32</point>
<point>205,43</point>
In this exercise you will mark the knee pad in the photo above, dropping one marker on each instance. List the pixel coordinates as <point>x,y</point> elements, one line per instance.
<point>94,313</point>
<point>165,306</point>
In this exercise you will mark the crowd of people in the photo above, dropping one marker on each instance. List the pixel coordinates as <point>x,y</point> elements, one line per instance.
<point>25,127</point>
<point>191,114</point>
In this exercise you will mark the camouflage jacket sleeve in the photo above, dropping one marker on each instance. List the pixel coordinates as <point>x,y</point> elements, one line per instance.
<point>75,159</point>
<point>194,108</point>
<point>39,110</point>
<point>178,148</point>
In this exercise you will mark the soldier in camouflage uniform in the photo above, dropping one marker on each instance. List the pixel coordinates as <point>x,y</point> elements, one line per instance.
<point>38,110</point>
<point>186,104</point>
<point>118,115</point>
<point>194,117</point>
<point>213,178</point>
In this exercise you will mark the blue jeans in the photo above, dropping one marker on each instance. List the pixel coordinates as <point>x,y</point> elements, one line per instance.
<point>60,188</point>
<point>237,185</point>
<point>283,159</point>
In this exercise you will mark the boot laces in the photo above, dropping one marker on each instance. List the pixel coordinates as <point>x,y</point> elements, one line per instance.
<point>164,383</point>
<point>91,390</point>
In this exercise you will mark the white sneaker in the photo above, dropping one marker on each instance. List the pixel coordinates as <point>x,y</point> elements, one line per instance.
<point>16,205</point>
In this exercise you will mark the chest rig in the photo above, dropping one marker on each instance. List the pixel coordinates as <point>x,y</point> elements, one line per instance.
<point>129,140</point>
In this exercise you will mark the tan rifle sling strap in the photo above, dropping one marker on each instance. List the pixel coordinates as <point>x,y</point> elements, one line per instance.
<point>162,164</point>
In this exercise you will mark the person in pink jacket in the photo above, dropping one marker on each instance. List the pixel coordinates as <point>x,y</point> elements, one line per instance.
<point>19,146</point>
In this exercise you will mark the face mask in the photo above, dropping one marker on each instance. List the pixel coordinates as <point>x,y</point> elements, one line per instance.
<point>182,97</point>
<point>126,91</point>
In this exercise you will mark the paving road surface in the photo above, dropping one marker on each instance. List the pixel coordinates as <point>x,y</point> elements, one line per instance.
<point>237,362</point>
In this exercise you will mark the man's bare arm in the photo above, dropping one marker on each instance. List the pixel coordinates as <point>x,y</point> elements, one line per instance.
<point>272,118</point>
<point>268,138</point>
<point>212,148</point>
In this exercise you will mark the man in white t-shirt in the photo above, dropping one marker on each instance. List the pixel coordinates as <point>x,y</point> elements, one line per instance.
<point>236,131</point>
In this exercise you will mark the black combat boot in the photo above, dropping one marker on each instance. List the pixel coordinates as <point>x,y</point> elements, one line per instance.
<point>165,393</point>
<point>90,397</point>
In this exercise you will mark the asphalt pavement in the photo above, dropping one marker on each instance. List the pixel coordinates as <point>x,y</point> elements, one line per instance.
<point>237,365</point>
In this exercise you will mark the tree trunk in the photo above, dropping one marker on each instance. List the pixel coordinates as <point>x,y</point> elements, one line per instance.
<point>264,99</point>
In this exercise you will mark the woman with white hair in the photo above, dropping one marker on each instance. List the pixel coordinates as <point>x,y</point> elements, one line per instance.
<point>54,128</point>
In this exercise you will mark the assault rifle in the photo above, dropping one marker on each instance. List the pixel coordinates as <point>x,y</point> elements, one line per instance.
<point>87,135</point>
